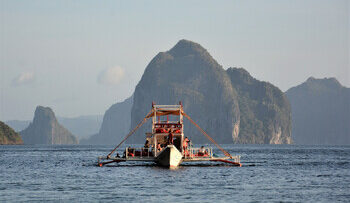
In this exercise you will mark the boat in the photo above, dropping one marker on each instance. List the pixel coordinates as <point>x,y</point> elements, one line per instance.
<point>166,144</point>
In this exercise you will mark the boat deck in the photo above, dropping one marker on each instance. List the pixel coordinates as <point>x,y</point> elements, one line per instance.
<point>184,159</point>
<point>166,144</point>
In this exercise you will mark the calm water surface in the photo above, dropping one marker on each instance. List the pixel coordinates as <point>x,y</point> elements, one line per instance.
<point>269,173</point>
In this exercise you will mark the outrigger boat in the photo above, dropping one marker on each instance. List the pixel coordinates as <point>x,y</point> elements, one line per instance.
<point>166,144</point>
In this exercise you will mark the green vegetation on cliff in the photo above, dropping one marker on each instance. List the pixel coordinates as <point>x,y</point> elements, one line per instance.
<point>188,73</point>
<point>264,110</point>
<point>8,135</point>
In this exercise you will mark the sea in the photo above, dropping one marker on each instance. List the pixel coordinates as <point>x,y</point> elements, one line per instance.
<point>270,173</point>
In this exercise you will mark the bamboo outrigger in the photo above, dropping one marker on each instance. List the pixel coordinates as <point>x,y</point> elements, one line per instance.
<point>166,144</point>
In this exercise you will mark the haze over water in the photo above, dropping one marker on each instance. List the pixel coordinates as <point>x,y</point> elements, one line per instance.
<point>279,70</point>
<point>269,173</point>
<point>101,49</point>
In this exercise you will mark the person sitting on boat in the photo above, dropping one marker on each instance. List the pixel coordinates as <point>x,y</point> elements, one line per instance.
<point>201,151</point>
<point>131,151</point>
<point>185,143</point>
<point>146,144</point>
<point>170,137</point>
<point>159,148</point>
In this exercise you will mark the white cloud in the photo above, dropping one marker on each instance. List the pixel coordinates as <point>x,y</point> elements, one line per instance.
<point>111,76</point>
<point>23,79</point>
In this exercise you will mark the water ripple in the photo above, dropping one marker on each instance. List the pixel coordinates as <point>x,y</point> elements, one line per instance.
<point>270,173</point>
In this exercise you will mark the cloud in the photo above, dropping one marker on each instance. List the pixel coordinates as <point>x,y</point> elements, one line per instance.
<point>23,79</point>
<point>111,76</point>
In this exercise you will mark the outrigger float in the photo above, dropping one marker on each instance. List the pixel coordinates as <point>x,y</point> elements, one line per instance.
<point>166,144</point>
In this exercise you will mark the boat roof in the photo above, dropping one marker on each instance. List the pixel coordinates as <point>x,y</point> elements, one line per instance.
<point>163,110</point>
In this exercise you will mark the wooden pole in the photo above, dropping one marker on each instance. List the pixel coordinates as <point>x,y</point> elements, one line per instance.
<point>204,133</point>
<point>130,133</point>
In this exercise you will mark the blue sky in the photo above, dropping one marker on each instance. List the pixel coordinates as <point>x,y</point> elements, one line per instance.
<point>80,57</point>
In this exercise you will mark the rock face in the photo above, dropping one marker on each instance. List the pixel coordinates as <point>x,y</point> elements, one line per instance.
<point>189,74</point>
<point>264,110</point>
<point>320,112</point>
<point>8,136</point>
<point>231,106</point>
<point>45,129</point>
<point>115,126</point>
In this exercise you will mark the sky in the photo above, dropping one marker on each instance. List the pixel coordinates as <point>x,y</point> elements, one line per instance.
<point>80,57</point>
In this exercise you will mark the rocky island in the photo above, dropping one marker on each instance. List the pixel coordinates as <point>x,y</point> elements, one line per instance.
<point>188,73</point>
<point>230,105</point>
<point>45,129</point>
<point>320,112</point>
<point>8,136</point>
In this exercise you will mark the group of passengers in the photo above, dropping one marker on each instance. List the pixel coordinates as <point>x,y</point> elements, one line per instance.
<point>170,140</point>
<point>185,143</point>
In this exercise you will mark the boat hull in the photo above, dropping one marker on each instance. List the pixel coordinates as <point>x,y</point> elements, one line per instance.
<point>170,157</point>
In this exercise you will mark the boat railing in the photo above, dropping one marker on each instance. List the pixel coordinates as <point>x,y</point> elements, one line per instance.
<point>237,158</point>
<point>198,152</point>
<point>140,152</point>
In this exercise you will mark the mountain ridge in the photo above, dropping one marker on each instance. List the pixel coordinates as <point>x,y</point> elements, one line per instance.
<point>320,112</point>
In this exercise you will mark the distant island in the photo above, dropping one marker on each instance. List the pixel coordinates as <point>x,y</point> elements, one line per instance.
<point>81,126</point>
<point>45,129</point>
<point>8,136</point>
<point>320,112</point>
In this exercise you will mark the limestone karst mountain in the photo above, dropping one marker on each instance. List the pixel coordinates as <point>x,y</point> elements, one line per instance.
<point>210,95</point>
<point>320,112</point>
<point>45,129</point>
<point>189,74</point>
